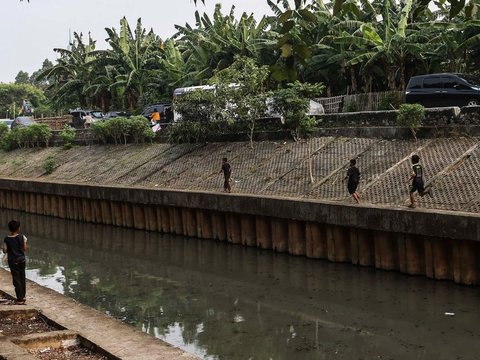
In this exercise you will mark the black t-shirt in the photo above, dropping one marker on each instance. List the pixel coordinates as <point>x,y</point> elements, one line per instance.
<point>15,247</point>
<point>227,170</point>
<point>353,175</point>
<point>418,171</point>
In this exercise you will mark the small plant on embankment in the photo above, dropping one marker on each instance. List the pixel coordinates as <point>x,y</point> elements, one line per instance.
<point>49,164</point>
<point>411,116</point>
<point>293,102</point>
<point>68,136</point>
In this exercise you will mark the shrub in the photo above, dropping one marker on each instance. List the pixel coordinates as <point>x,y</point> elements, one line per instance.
<point>198,105</point>
<point>118,129</point>
<point>411,116</point>
<point>3,130</point>
<point>8,142</point>
<point>140,129</point>
<point>293,102</point>
<point>39,134</point>
<point>68,136</point>
<point>49,164</point>
<point>99,129</point>
<point>391,101</point>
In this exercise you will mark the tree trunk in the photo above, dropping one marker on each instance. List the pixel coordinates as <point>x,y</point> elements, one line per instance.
<point>310,160</point>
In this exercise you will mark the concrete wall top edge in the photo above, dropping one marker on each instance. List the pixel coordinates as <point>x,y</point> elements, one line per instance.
<point>437,223</point>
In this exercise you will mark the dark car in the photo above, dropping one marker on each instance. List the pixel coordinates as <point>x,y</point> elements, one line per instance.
<point>116,114</point>
<point>165,110</point>
<point>82,118</point>
<point>22,121</point>
<point>437,90</point>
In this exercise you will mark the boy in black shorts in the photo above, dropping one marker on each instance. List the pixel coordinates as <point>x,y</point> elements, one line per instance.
<point>417,181</point>
<point>353,176</point>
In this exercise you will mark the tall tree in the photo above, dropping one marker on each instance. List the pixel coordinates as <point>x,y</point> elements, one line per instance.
<point>22,78</point>
<point>133,57</point>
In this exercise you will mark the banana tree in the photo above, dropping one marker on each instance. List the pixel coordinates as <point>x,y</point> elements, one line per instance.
<point>385,44</point>
<point>212,43</point>
<point>133,56</point>
<point>72,73</point>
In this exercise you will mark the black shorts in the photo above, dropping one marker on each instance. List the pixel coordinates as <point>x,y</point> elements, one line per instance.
<point>417,185</point>
<point>352,187</point>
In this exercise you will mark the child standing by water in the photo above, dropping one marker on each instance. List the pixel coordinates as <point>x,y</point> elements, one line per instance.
<point>353,176</point>
<point>15,246</point>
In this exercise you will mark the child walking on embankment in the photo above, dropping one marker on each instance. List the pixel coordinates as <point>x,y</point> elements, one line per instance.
<point>417,181</point>
<point>353,177</point>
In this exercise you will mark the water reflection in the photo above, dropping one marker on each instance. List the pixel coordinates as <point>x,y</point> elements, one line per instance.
<point>227,302</point>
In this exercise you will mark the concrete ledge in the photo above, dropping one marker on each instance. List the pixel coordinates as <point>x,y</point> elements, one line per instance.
<point>439,223</point>
<point>106,333</point>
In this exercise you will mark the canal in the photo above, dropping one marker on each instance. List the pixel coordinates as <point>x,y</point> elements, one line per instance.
<point>221,301</point>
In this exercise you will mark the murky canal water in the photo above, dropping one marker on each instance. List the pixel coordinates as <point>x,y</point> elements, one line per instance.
<point>221,301</point>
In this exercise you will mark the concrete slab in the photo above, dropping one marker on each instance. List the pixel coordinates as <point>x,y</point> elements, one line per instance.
<point>120,340</point>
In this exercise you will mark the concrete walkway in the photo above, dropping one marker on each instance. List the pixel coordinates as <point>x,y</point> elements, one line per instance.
<point>120,340</point>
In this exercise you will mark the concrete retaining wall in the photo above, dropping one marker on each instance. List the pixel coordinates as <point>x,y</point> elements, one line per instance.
<point>437,244</point>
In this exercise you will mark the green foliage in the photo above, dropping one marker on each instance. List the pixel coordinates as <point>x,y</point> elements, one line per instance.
<point>140,129</point>
<point>353,46</point>
<point>241,92</point>
<point>3,131</point>
<point>49,164</point>
<point>293,103</point>
<point>391,101</point>
<point>40,134</point>
<point>120,130</point>
<point>99,129</point>
<point>187,132</point>
<point>68,136</point>
<point>8,142</point>
<point>12,95</point>
<point>411,116</point>
<point>198,105</point>
<point>35,135</point>
<point>194,131</point>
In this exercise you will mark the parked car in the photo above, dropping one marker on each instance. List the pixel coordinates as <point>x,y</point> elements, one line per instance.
<point>22,121</point>
<point>115,114</point>
<point>437,90</point>
<point>82,118</point>
<point>165,110</point>
<point>7,122</point>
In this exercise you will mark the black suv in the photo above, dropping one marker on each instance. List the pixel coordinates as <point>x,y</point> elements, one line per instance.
<point>165,110</point>
<point>437,90</point>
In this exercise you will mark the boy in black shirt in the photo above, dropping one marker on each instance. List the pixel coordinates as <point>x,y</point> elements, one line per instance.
<point>353,176</point>
<point>15,246</point>
<point>227,173</point>
<point>417,180</point>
